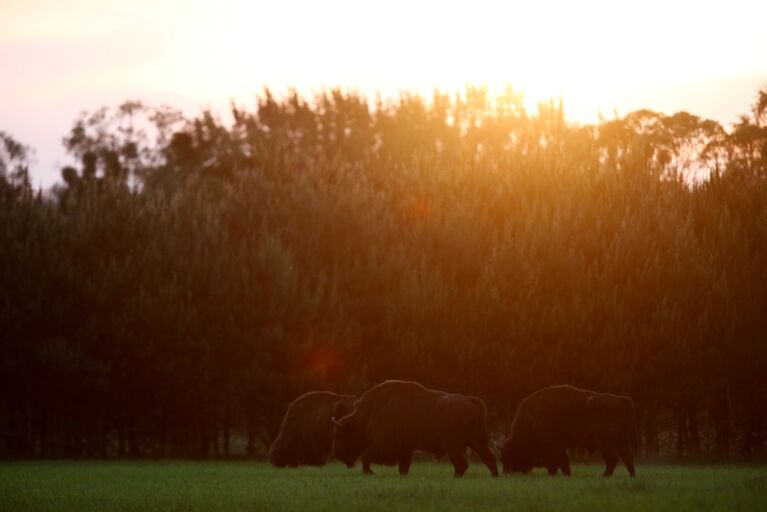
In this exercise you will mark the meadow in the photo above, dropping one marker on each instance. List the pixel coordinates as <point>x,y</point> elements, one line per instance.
<point>247,486</point>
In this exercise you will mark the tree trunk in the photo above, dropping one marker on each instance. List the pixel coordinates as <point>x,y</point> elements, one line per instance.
<point>226,428</point>
<point>121,440</point>
<point>134,450</point>
<point>43,435</point>
<point>650,431</point>
<point>722,421</point>
<point>752,435</point>
<point>693,429</point>
<point>202,431</point>
<point>251,449</point>
<point>104,438</point>
<point>681,431</point>
<point>163,434</point>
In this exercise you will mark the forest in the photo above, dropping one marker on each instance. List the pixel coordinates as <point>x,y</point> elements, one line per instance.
<point>191,275</point>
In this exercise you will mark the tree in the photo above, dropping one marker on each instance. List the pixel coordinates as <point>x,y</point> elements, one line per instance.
<point>14,162</point>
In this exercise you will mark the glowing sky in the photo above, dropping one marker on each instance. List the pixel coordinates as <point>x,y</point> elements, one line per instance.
<point>58,57</point>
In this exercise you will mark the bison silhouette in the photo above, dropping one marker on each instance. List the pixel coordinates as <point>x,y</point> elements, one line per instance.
<point>556,418</point>
<point>394,418</point>
<point>306,433</point>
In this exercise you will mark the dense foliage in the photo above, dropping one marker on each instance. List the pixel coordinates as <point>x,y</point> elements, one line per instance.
<point>191,276</point>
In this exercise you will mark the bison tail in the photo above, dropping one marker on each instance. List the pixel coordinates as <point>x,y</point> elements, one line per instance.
<point>481,417</point>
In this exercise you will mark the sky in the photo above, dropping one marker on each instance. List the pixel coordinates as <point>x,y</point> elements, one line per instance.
<point>61,57</point>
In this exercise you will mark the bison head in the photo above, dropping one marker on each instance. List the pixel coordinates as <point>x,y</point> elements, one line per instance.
<point>515,458</point>
<point>276,455</point>
<point>344,407</point>
<point>348,440</point>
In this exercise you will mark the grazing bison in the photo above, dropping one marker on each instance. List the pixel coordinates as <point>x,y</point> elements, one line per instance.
<point>394,418</point>
<point>306,433</point>
<point>559,417</point>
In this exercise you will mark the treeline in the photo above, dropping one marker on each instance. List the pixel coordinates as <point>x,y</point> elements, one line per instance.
<point>190,277</point>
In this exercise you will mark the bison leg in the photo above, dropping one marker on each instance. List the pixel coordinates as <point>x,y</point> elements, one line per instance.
<point>628,460</point>
<point>564,463</point>
<point>404,463</point>
<point>555,460</point>
<point>487,457</point>
<point>611,459</point>
<point>459,462</point>
<point>366,466</point>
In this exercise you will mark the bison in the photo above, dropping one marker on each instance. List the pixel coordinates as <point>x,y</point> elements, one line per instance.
<point>556,418</point>
<point>306,433</point>
<point>394,418</point>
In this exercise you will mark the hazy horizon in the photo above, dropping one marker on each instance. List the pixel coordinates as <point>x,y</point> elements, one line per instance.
<point>599,57</point>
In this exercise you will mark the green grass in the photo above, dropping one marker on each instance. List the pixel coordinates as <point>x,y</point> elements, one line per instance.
<point>171,486</point>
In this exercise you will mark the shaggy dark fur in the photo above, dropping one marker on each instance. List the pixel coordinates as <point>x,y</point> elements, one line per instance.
<point>395,418</point>
<point>306,434</point>
<point>556,418</point>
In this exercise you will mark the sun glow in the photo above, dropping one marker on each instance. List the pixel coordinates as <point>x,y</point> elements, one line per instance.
<point>593,54</point>
<point>596,55</point>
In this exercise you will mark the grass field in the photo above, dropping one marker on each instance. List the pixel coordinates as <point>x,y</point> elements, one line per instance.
<point>172,486</point>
